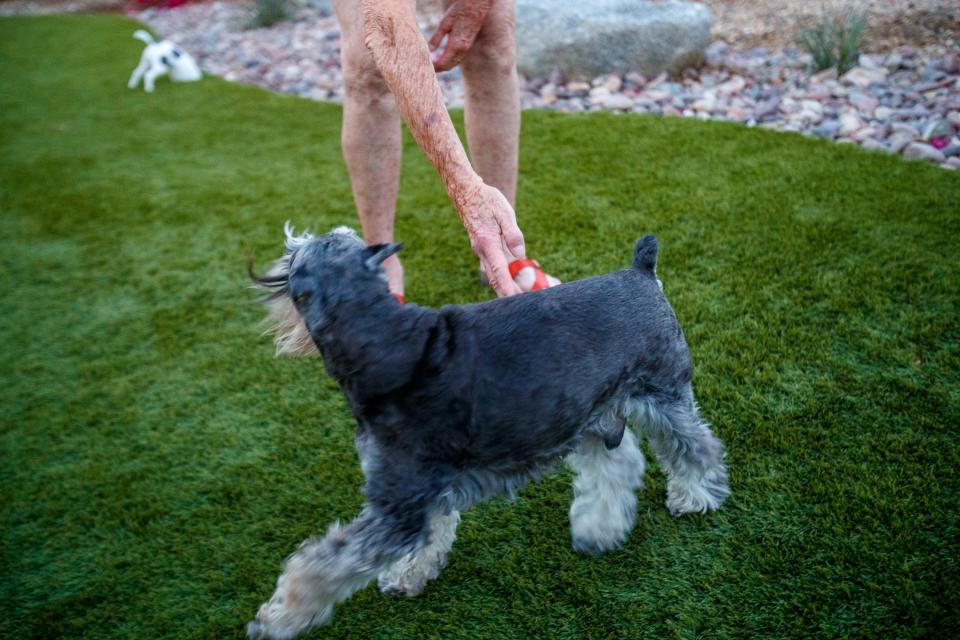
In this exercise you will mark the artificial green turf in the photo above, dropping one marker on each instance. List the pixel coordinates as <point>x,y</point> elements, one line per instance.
<point>159,463</point>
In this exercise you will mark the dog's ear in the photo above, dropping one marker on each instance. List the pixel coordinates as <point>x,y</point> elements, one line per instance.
<point>374,254</point>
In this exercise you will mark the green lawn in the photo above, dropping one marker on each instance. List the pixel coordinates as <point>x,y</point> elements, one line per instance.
<point>158,463</point>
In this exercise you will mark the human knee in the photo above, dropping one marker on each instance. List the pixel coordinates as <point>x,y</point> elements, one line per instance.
<point>362,81</point>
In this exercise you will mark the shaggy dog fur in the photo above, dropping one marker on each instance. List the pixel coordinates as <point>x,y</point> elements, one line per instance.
<point>458,404</point>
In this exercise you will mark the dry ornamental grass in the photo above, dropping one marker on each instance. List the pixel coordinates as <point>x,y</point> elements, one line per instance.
<point>890,23</point>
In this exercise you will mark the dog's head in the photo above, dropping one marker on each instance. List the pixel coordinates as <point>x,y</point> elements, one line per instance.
<point>315,275</point>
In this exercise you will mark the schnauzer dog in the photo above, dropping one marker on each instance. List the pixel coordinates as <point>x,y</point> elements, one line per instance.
<point>458,404</point>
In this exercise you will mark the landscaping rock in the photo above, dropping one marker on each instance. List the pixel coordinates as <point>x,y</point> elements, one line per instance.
<point>899,141</point>
<point>865,104</point>
<point>863,78</point>
<point>734,85</point>
<point>891,105</point>
<point>585,39</point>
<point>707,103</point>
<point>919,151</point>
<point>849,123</point>
<point>828,129</point>
<point>613,83</point>
<point>873,145</point>
<point>900,127</point>
<point>950,63</point>
<point>883,113</point>
<point>616,102</point>
<point>936,129</point>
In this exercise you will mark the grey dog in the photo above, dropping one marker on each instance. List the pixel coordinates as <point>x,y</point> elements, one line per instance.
<point>458,404</point>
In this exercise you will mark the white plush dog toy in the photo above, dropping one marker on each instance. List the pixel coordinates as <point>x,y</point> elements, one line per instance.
<point>160,58</point>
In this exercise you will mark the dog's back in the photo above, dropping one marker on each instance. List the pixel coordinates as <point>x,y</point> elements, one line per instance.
<point>523,374</point>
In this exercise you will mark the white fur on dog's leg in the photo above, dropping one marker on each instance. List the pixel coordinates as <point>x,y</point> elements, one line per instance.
<point>293,608</point>
<point>689,452</point>
<point>137,74</point>
<point>149,77</point>
<point>604,507</point>
<point>322,573</point>
<point>409,575</point>
<point>692,494</point>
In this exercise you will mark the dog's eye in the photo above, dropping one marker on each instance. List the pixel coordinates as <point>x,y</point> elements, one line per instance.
<point>302,298</point>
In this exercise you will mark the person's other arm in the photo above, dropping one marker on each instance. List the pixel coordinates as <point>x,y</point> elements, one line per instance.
<point>403,58</point>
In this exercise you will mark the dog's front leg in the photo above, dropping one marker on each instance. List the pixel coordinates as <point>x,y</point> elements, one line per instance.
<point>409,575</point>
<point>324,572</point>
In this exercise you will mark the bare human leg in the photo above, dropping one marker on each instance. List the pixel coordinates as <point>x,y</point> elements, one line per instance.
<point>370,138</point>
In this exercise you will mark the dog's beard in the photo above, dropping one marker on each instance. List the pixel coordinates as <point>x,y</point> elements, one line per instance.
<point>291,336</point>
<point>290,333</point>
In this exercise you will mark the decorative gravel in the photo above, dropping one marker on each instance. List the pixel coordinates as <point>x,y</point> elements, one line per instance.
<point>905,101</point>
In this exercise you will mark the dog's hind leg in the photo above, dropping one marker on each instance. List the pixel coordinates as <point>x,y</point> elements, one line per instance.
<point>324,572</point>
<point>689,452</point>
<point>138,73</point>
<point>409,575</point>
<point>604,506</point>
<point>150,76</point>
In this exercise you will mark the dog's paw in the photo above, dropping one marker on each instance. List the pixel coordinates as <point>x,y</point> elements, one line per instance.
<point>397,586</point>
<point>707,494</point>
<point>287,614</point>
<point>407,580</point>
<point>601,523</point>
<point>409,576</point>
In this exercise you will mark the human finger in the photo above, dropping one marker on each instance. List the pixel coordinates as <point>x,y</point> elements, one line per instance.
<point>451,55</point>
<point>512,236</point>
<point>495,266</point>
<point>443,29</point>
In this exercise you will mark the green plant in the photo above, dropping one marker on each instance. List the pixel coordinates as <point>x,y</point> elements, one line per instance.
<point>266,13</point>
<point>835,42</point>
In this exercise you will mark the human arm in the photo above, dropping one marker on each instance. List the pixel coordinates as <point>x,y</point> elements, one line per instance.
<point>403,59</point>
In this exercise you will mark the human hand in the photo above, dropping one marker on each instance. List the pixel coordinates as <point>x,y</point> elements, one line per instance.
<point>492,225</point>
<point>460,25</point>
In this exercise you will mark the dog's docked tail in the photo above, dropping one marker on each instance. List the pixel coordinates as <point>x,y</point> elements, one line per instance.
<point>645,254</point>
<point>140,34</point>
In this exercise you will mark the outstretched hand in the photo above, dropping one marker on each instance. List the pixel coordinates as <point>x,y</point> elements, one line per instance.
<point>492,225</point>
<point>460,25</point>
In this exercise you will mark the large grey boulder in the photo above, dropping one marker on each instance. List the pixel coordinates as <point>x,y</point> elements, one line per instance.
<point>325,6</point>
<point>586,38</point>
